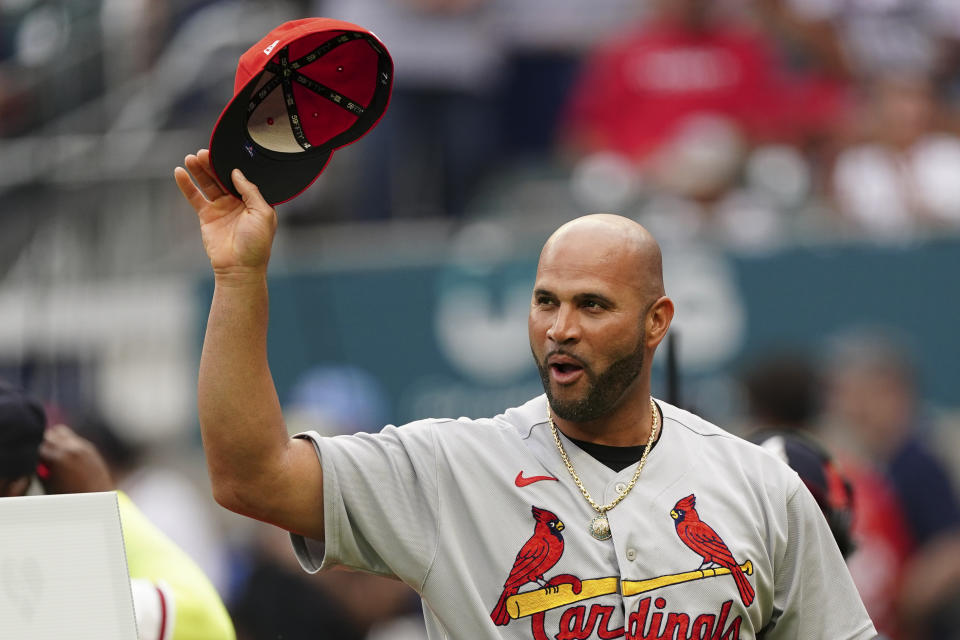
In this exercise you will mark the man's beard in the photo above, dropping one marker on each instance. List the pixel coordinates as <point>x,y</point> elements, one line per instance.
<point>604,390</point>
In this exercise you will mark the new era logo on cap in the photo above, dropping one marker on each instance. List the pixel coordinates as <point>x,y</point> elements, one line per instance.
<point>306,89</point>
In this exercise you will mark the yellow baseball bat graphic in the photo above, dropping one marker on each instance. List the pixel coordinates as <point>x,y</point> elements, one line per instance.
<point>531,602</point>
<point>633,587</point>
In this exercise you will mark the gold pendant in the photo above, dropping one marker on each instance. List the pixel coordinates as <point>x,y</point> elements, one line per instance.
<point>600,527</point>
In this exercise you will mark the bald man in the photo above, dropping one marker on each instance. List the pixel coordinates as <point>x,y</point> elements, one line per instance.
<point>592,511</point>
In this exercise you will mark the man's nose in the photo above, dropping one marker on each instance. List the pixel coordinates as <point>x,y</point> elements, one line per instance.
<point>565,327</point>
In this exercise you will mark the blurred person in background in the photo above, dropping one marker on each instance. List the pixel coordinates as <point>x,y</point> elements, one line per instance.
<point>688,58</point>
<point>875,424</point>
<point>891,164</point>
<point>681,99</point>
<point>545,42</point>
<point>783,392</point>
<point>899,176</point>
<point>430,152</point>
<point>173,599</point>
<point>860,38</point>
<point>133,33</point>
<point>784,395</point>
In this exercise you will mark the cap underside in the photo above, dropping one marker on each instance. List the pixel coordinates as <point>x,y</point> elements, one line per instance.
<point>319,93</point>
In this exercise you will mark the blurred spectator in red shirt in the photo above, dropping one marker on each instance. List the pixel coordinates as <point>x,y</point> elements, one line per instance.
<point>691,58</point>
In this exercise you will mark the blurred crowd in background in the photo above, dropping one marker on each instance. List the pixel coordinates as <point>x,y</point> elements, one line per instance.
<point>776,116</point>
<point>749,125</point>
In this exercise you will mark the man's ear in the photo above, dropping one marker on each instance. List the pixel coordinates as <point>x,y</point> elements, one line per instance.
<point>658,321</point>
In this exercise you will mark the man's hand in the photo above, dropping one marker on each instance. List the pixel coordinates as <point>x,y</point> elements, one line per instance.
<point>73,463</point>
<point>237,234</point>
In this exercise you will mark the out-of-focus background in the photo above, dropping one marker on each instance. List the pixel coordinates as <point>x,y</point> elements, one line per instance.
<point>799,161</point>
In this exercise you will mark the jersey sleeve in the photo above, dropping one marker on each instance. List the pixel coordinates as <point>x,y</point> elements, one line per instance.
<point>380,503</point>
<point>173,599</point>
<point>814,596</point>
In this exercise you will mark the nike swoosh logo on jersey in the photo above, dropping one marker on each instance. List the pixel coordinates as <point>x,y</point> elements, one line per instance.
<point>520,481</point>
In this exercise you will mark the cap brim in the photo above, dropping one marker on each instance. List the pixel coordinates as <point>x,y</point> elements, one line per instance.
<point>279,176</point>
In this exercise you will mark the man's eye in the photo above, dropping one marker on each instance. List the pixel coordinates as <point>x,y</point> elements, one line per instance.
<point>543,300</point>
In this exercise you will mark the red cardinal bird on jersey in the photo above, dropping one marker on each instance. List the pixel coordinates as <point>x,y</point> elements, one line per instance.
<point>703,540</point>
<point>537,556</point>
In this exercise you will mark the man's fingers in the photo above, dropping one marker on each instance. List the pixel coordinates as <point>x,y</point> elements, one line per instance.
<point>204,157</point>
<point>55,439</point>
<point>56,433</point>
<point>249,191</point>
<point>50,450</point>
<point>197,184</point>
<point>188,189</point>
<point>199,167</point>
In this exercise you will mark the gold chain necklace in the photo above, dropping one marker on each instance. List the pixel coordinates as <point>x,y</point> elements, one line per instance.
<point>600,525</point>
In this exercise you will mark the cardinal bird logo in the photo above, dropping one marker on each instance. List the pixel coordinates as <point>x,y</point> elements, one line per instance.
<point>536,557</point>
<point>703,540</point>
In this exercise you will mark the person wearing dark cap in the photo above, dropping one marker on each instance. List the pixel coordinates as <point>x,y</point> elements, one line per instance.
<point>173,599</point>
<point>22,421</point>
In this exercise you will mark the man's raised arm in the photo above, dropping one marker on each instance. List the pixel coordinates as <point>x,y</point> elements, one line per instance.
<point>255,468</point>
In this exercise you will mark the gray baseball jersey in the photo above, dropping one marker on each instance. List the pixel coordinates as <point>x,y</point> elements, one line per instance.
<point>718,539</point>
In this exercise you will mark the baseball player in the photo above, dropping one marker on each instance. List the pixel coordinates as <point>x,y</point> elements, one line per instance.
<point>593,511</point>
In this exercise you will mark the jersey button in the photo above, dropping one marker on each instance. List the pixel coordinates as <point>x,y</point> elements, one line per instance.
<point>631,554</point>
<point>620,487</point>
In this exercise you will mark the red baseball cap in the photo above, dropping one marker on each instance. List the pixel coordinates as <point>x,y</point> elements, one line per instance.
<point>304,90</point>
